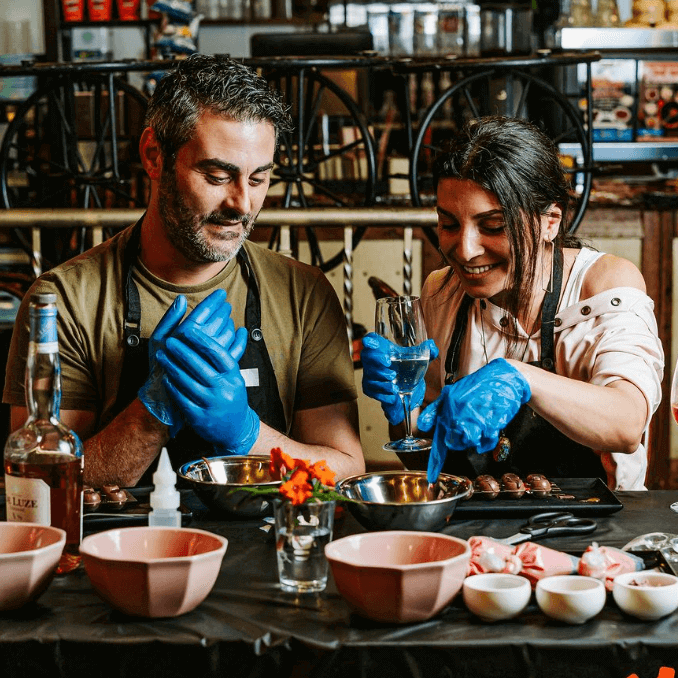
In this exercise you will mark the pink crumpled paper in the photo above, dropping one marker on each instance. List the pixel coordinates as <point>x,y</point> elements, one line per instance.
<point>606,562</point>
<point>528,559</point>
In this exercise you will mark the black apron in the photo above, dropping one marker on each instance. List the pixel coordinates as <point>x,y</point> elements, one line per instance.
<point>263,398</point>
<point>536,445</point>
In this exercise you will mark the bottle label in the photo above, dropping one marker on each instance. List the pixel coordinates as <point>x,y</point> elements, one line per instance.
<point>43,325</point>
<point>27,500</point>
<point>43,347</point>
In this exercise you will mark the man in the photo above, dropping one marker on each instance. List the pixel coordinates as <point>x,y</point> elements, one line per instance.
<point>140,369</point>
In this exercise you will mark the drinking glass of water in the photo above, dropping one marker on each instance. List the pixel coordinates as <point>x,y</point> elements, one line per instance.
<point>401,321</point>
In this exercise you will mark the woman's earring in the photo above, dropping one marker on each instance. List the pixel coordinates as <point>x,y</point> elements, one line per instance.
<point>549,288</point>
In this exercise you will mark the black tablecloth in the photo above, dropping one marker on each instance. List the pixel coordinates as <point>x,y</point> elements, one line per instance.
<point>248,627</point>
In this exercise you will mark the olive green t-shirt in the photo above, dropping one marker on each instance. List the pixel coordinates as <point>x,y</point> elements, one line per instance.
<point>302,322</point>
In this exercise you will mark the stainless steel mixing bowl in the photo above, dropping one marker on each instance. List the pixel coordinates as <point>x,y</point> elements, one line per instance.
<point>218,485</point>
<point>402,500</point>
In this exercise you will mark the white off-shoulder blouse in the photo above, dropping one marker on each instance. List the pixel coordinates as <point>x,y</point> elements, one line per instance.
<point>612,335</point>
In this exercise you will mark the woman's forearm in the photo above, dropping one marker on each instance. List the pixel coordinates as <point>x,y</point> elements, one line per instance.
<point>608,418</point>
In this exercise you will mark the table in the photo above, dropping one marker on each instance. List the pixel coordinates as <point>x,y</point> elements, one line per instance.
<point>248,627</point>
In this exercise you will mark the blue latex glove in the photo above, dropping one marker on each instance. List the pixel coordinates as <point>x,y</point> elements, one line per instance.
<point>473,411</point>
<point>153,394</point>
<point>378,376</point>
<point>211,316</point>
<point>203,379</point>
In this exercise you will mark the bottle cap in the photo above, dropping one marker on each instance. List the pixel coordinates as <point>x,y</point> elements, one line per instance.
<point>43,298</point>
<point>164,494</point>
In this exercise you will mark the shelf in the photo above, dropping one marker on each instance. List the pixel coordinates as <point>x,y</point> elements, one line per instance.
<point>617,39</point>
<point>274,21</point>
<point>625,151</point>
<point>113,23</point>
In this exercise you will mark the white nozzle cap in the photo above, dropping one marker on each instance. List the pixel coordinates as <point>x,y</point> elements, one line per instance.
<point>164,495</point>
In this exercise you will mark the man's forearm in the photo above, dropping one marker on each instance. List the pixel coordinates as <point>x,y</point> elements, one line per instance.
<point>121,452</point>
<point>330,433</point>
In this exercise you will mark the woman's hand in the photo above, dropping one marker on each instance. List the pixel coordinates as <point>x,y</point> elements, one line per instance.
<point>379,378</point>
<point>473,411</point>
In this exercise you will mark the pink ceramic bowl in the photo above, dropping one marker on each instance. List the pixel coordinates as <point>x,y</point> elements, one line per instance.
<point>153,571</point>
<point>29,554</point>
<point>398,576</point>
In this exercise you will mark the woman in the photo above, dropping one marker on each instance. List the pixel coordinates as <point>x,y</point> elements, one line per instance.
<point>549,360</point>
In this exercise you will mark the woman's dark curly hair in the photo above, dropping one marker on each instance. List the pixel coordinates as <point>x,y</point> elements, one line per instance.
<point>514,160</point>
<point>219,84</point>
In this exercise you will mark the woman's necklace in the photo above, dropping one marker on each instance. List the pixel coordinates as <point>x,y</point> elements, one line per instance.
<point>503,449</point>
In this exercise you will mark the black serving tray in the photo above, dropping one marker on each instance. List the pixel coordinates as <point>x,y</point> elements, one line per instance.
<point>134,512</point>
<point>584,490</point>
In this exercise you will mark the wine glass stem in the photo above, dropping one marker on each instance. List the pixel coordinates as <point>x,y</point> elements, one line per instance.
<point>405,398</point>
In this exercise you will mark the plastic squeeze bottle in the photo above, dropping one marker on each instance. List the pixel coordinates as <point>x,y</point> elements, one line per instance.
<point>164,497</point>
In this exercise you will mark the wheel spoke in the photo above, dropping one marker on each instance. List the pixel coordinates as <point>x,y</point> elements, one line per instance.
<point>523,98</point>
<point>433,149</point>
<point>68,135</point>
<point>471,103</point>
<point>321,188</point>
<point>314,247</point>
<point>99,152</point>
<point>569,133</point>
<point>339,152</point>
<point>312,113</point>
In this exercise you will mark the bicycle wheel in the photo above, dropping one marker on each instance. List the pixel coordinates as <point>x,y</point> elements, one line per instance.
<point>328,160</point>
<point>514,94</point>
<point>74,143</point>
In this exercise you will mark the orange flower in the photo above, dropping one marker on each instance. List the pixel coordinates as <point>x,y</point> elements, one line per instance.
<point>280,463</point>
<point>297,489</point>
<point>322,472</point>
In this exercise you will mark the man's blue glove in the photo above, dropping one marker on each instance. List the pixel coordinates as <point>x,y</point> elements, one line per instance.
<point>203,379</point>
<point>473,411</point>
<point>211,316</point>
<point>378,377</point>
<point>153,394</point>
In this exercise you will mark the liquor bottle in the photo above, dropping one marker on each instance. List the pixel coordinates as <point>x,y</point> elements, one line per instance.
<point>43,459</point>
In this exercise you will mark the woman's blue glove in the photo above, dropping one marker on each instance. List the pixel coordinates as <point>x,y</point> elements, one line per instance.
<point>473,411</point>
<point>211,316</point>
<point>203,379</point>
<point>378,377</point>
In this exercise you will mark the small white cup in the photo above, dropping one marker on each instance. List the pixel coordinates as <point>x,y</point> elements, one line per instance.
<point>570,598</point>
<point>646,595</point>
<point>494,596</point>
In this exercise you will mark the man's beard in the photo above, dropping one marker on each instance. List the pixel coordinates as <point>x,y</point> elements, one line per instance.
<point>185,228</point>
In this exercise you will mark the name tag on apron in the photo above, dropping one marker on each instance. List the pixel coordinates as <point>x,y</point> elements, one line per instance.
<point>251,376</point>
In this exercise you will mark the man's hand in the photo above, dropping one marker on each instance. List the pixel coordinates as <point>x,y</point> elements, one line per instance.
<point>153,394</point>
<point>212,317</point>
<point>204,381</point>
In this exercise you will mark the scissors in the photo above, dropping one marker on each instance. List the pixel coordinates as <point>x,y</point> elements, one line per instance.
<point>551,525</point>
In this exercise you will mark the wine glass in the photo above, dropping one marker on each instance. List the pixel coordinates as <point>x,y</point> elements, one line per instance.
<point>401,321</point>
